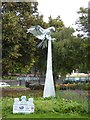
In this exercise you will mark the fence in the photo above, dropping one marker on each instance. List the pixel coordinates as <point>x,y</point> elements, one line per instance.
<point>24,79</point>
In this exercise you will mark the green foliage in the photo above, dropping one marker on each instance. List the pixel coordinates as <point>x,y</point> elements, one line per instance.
<point>49,105</point>
<point>19,49</point>
<point>7,108</point>
<point>82,22</point>
<point>9,77</point>
<point>57,23</point>
<point>67,52</point>
<point>57,105</point>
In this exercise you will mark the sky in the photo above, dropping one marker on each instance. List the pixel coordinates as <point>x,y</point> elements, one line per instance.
<point>67,9</point>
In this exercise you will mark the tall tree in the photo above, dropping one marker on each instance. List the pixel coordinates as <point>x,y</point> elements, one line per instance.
<point>69,52</point>
<point>89,19</point>
<point>82,22</point>
<point>84,31</point>
<point>18,47</point>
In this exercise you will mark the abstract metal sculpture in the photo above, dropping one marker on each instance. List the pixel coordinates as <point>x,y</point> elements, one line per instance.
<point>45,35</point>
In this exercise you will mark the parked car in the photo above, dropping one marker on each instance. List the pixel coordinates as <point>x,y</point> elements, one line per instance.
<point>3,84</point>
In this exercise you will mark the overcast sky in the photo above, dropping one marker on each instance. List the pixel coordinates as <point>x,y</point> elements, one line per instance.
<point>67,9</point>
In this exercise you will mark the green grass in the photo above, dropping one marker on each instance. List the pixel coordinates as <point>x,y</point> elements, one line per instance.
<point>17,86</point>
<point>49,115</point>
<point>66,104</point>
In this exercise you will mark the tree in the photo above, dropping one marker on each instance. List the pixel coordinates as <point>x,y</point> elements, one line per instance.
<point>89,19</point>
<point>82,22</point>
<point>84,31</point>
<point>69,52</point>
<point>57,23</point>
<point>18,47</point>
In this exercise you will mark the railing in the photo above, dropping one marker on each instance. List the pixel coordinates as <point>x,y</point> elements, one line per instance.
<point>26,78</point>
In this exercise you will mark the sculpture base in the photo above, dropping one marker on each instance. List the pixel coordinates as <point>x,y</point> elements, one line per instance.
<point>49,90</point>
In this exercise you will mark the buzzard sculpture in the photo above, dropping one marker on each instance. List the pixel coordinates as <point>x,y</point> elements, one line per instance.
<point>42,34</point>
<point>45,35</point>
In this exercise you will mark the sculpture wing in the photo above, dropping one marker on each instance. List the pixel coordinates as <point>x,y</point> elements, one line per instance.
<point>37,31</point>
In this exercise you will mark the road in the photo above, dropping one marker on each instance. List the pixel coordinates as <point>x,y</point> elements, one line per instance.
<point>22,82</point>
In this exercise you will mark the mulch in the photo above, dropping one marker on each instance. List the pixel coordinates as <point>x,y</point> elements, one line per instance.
<point>13,92</point>
<point>15,89</point>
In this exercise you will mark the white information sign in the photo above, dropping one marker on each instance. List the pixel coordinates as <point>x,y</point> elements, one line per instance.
<point>23,106</point>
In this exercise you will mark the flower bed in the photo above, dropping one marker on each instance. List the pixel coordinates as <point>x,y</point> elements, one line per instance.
<point>74,86</point>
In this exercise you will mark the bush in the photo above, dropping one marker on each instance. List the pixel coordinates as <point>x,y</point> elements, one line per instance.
<point>9,77</point>
<point>36,86</point>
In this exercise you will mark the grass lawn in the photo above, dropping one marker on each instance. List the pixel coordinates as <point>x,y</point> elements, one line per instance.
<point>66,104</point>
<point>48,115</point>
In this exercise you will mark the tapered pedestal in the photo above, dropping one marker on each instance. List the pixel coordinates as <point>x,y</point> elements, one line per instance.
<point>49,89</point>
